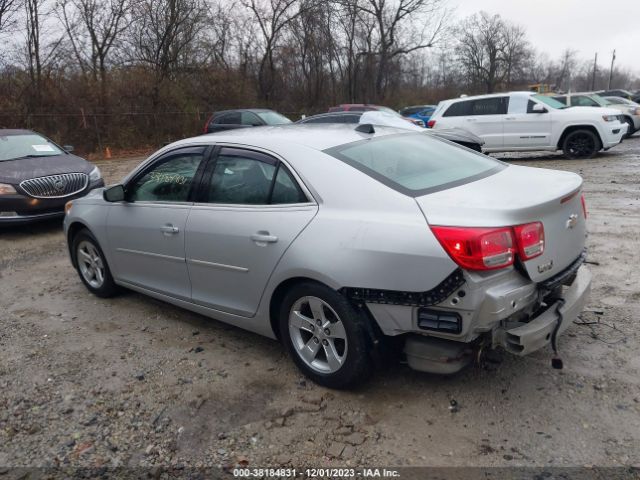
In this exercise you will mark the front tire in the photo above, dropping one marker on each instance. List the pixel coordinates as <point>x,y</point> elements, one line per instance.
<point>326,336</point>
<point>581,144</point>
<point>631,128</point>
<point>92,266</point>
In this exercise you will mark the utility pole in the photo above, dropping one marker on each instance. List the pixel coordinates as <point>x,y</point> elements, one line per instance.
<point>613,59</point>
<point>595,69</point>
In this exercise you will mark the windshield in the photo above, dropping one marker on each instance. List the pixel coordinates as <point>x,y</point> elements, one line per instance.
<point>25,146</point>
<point>603,102</point>
<point>273,118</point>
<point>388,110</point>
<point>551,102</point>
<point>415,164</point>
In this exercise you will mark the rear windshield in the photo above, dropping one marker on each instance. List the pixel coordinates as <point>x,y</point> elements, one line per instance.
<point>26,146</point>
<point>416,163</point>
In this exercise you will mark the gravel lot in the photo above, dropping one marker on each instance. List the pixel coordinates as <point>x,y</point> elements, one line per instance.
<point>132,381</point>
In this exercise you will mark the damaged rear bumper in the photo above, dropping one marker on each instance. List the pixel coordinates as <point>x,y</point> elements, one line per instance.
<point>524,338</point>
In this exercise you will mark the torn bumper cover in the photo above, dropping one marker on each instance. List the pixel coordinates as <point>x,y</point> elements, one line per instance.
<point>523,338</point>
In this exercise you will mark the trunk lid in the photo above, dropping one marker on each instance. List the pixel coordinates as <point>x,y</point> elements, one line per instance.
<point>515,196</point>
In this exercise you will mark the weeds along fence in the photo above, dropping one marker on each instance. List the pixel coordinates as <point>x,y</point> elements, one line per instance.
<point>95,132</point>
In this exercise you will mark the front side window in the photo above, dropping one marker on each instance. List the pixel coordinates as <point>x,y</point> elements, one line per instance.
<point>229,119</point>
<point>562,100</point>
<point>28,145</point>
<point>169,179</point>
<point>273,118</point>
<point>415,163</point>
<point>249,118</point>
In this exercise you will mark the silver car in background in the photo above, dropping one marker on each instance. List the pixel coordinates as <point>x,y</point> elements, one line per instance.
<point>337,238</point>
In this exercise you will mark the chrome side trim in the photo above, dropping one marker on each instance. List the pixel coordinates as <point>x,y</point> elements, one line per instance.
<point>220,266</point>
<point>150,254</point>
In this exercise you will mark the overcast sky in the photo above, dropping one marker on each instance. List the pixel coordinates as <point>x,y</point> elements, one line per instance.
<point>588,26</point>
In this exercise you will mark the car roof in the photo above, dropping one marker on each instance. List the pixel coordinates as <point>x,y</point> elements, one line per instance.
<point>315,136</point>
<point>490,95</point>
<point>16,131</point>
<point>253,110</point>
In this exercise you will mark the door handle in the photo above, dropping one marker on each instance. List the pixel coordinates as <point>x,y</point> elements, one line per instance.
<point>169,229</point>
<point>263,237</point>
<point>509,118</point>
<point>472,119</point>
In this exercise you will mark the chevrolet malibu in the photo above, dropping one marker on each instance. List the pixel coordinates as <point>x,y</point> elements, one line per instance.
<point>337,239</point>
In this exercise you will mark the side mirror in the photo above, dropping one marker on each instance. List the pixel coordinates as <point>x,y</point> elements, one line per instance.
<point>68,148</point>
<point>114,193</point>
<point>537,108</point>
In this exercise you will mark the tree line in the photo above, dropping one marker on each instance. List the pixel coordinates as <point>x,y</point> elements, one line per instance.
<point>128,73</point>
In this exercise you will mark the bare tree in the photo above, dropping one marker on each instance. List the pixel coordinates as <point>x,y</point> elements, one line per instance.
<point>491,50</point>
<point>101,23</point>
<point>398,31</point>
<point>8,9</point>
<point>162,31</point>
<point>272,17</point>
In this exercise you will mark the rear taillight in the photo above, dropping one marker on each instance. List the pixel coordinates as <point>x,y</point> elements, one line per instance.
<point>431,123</point>
<point>530,240</point>
<point>584,206</point>
<point>206,125</point>
<point>477,248</point>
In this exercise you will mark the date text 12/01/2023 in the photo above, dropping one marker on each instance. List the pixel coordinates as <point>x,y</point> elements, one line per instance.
<point>315,473</point>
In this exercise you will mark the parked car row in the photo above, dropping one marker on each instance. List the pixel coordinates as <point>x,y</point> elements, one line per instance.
<point>527,121</point>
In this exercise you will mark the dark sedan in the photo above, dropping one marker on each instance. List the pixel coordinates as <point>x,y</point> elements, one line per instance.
<point>243,118</point>
<point>37,177</point>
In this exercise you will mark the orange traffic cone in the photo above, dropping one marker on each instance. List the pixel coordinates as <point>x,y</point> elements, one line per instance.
<point>107,153</point>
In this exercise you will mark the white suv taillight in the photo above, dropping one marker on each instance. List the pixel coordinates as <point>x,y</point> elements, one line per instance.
<point>530,240</point>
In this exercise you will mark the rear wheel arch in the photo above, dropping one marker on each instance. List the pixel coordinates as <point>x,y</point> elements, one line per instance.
<point>278,295</point>
<point>573,128</point>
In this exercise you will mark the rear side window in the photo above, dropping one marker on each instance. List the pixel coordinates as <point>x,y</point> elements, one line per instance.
<point>414,163</point>
<point>458,109</point>
<point>490,106</point>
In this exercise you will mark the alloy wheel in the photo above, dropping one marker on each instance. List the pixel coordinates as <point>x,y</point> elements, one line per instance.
<point>90,264</point>
<point>318,335</point>
<point>581,145</point>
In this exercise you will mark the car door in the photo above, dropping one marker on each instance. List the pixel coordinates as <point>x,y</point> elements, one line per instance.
<point>249,211</point>
<point>525,128</point>
<point>146,232</point>
<point>486,120</point>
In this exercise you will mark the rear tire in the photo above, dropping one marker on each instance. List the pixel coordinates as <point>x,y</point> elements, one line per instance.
<point>92,266</point>
<point>327,338</point>
<point>581,144</point>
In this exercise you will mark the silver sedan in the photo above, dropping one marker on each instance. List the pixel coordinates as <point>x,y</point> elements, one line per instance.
<point>341,239</point>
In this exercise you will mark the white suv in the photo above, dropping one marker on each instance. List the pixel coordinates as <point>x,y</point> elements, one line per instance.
<point>525,121</point>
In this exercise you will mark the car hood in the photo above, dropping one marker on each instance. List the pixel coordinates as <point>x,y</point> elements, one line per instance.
<point>16,171</point>
<point>456,135</point>
<point>599,111</point>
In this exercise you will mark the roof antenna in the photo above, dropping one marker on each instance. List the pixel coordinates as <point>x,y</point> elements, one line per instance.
<point>365,128</point>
